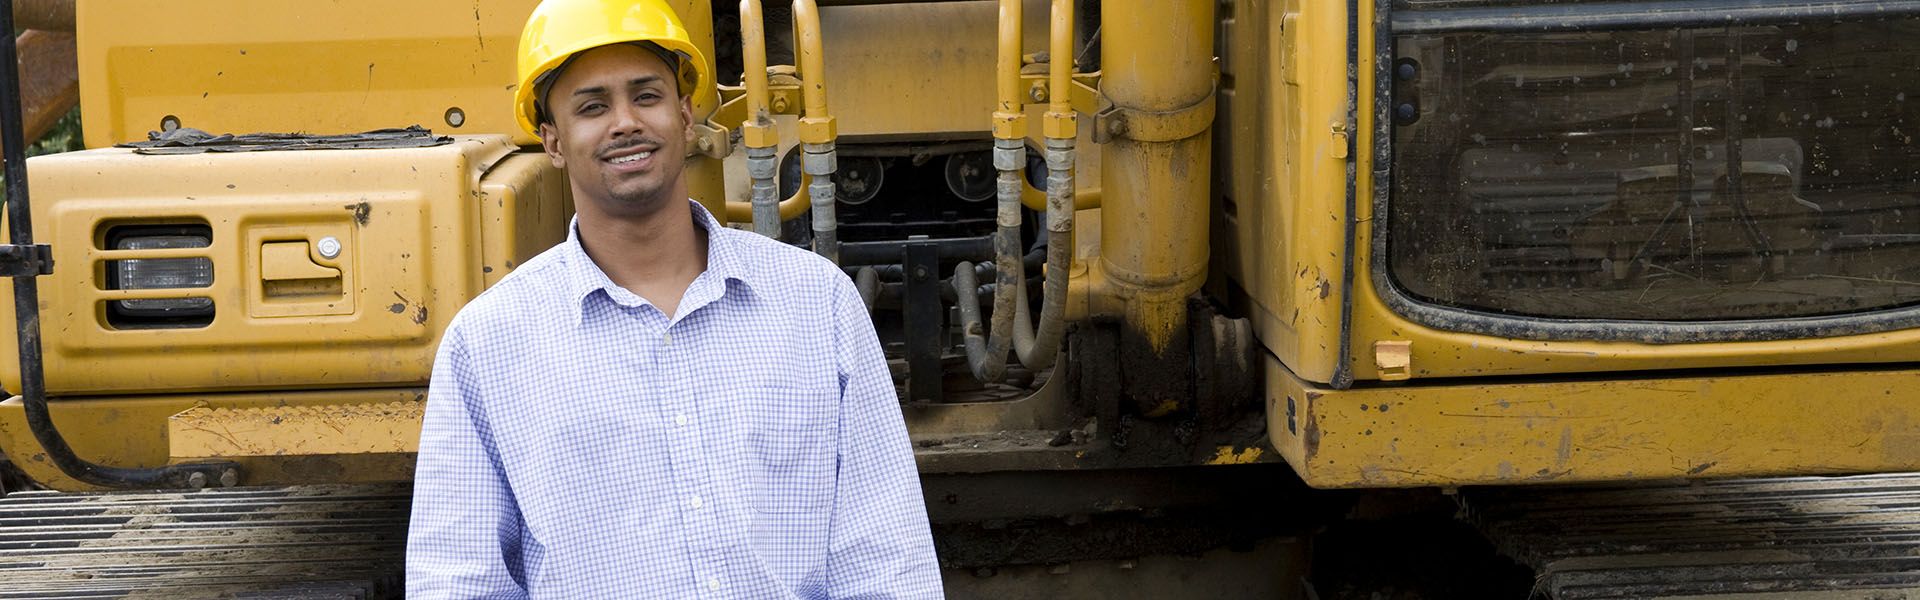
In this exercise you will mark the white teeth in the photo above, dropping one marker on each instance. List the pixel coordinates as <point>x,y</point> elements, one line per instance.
<point>630,158</point>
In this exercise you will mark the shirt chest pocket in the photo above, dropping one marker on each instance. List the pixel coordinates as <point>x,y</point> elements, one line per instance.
<point>791,453</point>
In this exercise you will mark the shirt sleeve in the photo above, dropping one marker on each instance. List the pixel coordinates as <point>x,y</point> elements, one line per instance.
<point>465,536</point>
<point>880,544</point>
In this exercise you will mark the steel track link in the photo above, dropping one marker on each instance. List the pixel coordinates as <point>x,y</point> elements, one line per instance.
<point>291,542</point>
<point>1830,538</point>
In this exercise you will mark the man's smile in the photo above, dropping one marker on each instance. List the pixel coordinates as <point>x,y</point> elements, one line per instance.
<point>631,159</point>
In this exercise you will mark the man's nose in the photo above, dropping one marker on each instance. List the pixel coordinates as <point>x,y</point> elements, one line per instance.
<point>626,120</point>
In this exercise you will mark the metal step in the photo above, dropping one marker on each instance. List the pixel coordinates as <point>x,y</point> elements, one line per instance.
<point>257,543</point>
<point>1838,538</point>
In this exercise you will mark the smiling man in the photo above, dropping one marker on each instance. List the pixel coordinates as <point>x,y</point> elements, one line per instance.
<point>659,407</point>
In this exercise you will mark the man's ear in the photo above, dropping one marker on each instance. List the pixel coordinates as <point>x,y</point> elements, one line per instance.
<point>686,116</point>
<point>550,141</point>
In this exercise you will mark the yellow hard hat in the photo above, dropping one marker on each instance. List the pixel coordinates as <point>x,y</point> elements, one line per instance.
<point>558,29</point>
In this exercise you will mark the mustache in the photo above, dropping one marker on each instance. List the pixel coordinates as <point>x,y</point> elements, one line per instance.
<point>625,144</point>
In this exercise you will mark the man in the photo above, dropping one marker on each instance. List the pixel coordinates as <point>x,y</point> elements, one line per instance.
<point>659,407</point>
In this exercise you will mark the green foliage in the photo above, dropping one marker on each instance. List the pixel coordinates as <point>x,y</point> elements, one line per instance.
<point>64,137</point>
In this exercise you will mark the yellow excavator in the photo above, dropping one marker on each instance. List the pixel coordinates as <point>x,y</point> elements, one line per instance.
<point>1618,284</point>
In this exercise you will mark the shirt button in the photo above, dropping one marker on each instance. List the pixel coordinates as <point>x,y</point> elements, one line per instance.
<point>695,501</point>
<point>680,419</point>
<point>666,339</point>
<point>713,584</point>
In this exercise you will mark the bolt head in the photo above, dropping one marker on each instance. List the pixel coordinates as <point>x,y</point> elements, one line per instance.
<point>329,247</point>
<point>230,478</point>
<point>197,480</point>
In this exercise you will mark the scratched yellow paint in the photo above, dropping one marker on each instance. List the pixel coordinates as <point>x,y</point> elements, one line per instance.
<point>133,432</point>
<point>1229,455</point>
<point>1595,430</point>
<point>350,428</point>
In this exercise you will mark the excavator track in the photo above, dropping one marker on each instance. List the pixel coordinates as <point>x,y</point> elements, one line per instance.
<point>1826,538</point>
<point>283,543</point>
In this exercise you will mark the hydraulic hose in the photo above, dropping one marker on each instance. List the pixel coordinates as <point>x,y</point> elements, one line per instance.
<point>816,128</point>
<point>987,350</point>
<point>1038,350</point>
<point>757,133</point>
<point>867,282</point>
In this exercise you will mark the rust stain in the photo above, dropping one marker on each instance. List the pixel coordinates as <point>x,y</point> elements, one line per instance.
<point>1313,430</point>
<point>361,212</point>
<point>420,316</point>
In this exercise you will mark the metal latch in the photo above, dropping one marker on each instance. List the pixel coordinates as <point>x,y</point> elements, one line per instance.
<point>1394,359</point>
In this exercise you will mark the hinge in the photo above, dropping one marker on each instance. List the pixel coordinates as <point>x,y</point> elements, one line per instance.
<point>25,260</point>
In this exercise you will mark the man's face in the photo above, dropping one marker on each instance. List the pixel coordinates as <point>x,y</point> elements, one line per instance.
<point>620,128</point>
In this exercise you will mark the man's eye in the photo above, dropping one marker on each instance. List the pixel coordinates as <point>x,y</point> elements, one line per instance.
<point>649,96</point>
<point>592,108</point>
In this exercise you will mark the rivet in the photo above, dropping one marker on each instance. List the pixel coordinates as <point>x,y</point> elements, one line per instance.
<point>329,247</point>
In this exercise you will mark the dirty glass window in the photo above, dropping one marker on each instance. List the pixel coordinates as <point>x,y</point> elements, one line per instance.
<point>1700,174</point>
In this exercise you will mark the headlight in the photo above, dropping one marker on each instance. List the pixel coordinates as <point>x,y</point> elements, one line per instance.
<point>162,273</point>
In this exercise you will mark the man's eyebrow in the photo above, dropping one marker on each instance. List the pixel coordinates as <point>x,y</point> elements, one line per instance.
<point>602,90</point>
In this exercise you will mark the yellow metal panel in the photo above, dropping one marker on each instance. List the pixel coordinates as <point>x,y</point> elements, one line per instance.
<point>917,68</point>
<point>407,220</point>
<point>288,65</point>
<point>208,432</point>
<point>132,432</point>
<point>1283,196</point>
<point>525,205</point>
<point>1595,430</point>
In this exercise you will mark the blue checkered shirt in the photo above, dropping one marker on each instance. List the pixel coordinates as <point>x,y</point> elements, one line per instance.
<point>578,443</point>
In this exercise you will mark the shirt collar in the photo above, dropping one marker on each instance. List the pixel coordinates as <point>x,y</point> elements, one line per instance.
<point>584,277</point>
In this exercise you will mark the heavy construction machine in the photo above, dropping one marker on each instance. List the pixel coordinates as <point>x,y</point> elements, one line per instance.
<point>1143,268</point>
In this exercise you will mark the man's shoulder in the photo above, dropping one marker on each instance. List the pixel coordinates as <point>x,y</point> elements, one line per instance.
<point>532,288</point>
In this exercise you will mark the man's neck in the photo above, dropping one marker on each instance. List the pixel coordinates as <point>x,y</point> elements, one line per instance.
<point>656,256</point>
